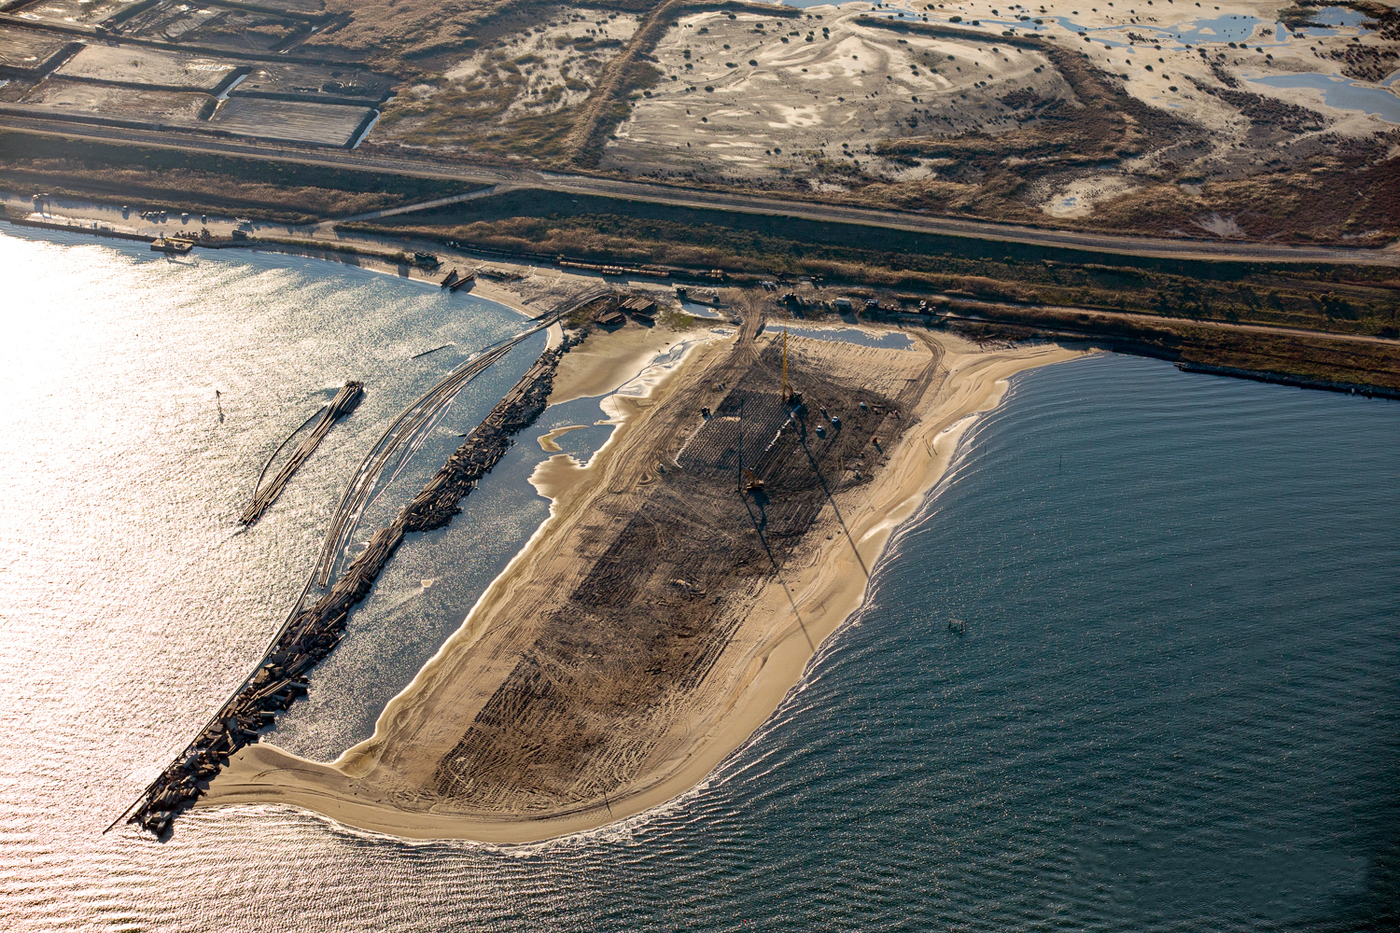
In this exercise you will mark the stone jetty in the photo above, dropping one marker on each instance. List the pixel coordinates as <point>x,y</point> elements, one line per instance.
<point>314,629</point>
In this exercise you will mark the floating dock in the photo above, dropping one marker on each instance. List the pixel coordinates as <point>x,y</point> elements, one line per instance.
<point>172,245</point>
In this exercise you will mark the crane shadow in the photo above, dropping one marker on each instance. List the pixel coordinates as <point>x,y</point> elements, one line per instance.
<point>817,471</point>
<point>760,522</point>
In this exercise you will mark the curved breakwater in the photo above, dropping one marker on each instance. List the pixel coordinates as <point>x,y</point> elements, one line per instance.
<point>312,630</point>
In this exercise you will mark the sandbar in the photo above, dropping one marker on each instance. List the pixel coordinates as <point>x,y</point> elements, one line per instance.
<point>402,780</point>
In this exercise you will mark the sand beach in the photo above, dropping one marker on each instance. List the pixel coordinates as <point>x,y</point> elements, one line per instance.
<point>394,782</point>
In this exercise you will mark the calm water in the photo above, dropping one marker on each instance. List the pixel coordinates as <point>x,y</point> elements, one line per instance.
<point>1339,92</point>
<point>888,340</point>
<point>1175,706</point>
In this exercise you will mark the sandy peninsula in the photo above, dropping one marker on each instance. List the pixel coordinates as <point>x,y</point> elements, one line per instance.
<point>624,653</point>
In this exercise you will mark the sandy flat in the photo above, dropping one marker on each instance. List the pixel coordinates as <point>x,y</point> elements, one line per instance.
<point>602,365</point>
<point>750,95</point>
<point>147,67</point>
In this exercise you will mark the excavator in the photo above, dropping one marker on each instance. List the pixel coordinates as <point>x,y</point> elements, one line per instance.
<point>754,484</point>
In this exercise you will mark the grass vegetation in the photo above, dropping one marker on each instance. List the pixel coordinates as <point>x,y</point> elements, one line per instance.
<point>1108,125</point>
<point>475,115</point>
<point>1347,193</point>
<point>398,36</point>
<point>412,39</point>
<point>1350,299</point>
<point>1316,358</point>
<point>630,73</point>
<point>678,320</point>
<point>279,191</point>
<point>518,97</point>
<point>1348,190</point>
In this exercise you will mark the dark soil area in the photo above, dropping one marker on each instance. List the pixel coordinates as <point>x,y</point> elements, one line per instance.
<point>678,563</point>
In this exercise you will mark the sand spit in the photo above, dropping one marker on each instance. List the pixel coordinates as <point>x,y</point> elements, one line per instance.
<point>543,715</point>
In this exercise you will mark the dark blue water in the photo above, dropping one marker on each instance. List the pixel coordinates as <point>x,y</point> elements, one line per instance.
<point>1176,705</point>
<point>1339,92</point>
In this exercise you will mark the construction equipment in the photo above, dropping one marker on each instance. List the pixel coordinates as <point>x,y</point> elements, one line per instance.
<point>754,484</point>
<point>791,396</point>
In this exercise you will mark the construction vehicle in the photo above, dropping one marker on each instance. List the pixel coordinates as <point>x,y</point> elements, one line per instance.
<point>754,484</point>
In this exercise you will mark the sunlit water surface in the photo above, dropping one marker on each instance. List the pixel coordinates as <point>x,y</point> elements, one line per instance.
<point>1174,706</point>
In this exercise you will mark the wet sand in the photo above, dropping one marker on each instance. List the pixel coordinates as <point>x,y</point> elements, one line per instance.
<point>776,641</point>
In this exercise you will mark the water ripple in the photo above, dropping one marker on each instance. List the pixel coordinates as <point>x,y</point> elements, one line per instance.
<point>1174,708</point>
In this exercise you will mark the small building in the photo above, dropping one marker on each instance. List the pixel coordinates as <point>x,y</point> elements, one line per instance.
<point>843,304</point>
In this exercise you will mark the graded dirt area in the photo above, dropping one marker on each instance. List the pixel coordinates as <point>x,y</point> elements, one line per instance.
<point>315,82</point>
<point>28,52</point>
<point>296,120</point>
<point>113,102</point>
<point>150,67</point>
<point>107,72</point>
<point>73,12</point>
<point>668,603</point>
<point>232,30</point>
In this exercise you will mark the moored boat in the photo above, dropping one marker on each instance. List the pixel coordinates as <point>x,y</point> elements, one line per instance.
<point>172,245</point>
